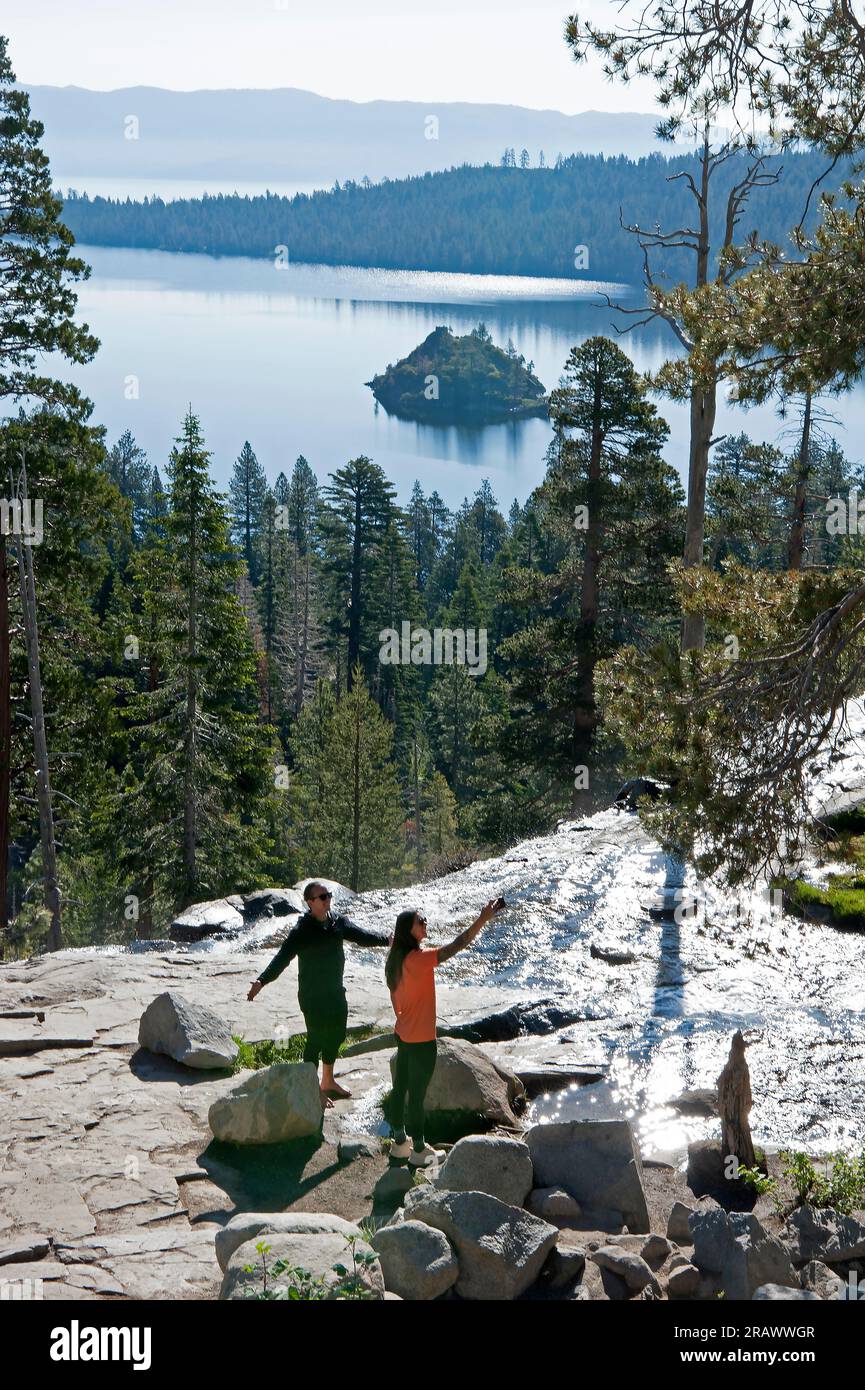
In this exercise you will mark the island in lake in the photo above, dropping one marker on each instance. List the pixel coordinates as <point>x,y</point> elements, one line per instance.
<point>467,380</point>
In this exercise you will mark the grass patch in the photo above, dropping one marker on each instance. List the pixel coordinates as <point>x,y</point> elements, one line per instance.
<point>841,901</point>
<point>268,1052</point>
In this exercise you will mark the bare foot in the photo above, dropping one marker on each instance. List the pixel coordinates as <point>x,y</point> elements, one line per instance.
<point>339,1091</point>
<point>326,1102</point>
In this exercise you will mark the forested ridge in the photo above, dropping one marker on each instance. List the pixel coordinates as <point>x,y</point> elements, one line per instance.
<point>488,220</point>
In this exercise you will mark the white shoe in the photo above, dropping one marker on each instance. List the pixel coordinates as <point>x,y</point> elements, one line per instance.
<point>426,1158</point>
<point>400,1150</point>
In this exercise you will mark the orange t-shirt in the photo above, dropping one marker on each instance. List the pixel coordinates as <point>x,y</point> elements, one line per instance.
<point>414,999</point>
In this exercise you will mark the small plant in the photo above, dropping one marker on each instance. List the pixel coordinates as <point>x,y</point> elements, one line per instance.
<point>353,1285</point>
<point>760,1181</point>
<point>841,1187</point>
<point>299,1284</point>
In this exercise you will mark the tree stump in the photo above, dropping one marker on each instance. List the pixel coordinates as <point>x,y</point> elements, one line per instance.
<point>734,1106</point>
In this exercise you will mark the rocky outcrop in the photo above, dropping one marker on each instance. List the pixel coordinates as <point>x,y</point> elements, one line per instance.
<point>819,1233</point>
<point>735,1247</point>
<point>269,1106</point>
<point>628,1265</point>
<point>417,1260</point>
<point>597,1162</point>
<point>488,1163</point>
<point>501,1249</point>
<point>190,1033</point>
<point>315,1254</point>
<point>221,917</point>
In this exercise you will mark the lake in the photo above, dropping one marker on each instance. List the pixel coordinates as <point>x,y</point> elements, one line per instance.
<point>280,357</point>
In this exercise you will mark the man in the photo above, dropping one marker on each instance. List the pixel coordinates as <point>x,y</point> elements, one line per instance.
<point>317,940</point>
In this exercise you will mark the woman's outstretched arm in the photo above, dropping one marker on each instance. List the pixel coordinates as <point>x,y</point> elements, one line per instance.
<point>466,937</point>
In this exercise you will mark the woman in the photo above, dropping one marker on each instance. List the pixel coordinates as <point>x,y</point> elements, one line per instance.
<point>409,974</point>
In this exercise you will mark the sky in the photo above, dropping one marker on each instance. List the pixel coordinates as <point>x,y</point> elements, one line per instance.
<point>509,51</point>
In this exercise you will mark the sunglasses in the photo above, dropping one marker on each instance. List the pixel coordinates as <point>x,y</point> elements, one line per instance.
<point>323,896</point>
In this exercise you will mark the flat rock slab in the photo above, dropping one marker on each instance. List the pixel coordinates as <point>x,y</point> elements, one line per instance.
<point>166,1264</point>
<point>19,1040</point>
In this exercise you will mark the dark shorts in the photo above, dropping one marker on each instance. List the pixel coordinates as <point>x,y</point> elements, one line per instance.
<point>326,1023</point>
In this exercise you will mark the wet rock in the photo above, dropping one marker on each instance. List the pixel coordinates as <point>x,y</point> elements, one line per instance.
<point>190,1033</point>
<point>270,1106</point>
<point>775,1293</point>
<point>597,1162</point>
<point>247,1227</point>
<point>628,1265</point>
<point>467,1082</point>
<point>488,1163</point>
<point>501,1249</point>
<point>533,1018</point>
<point>417,1260</point>
<point>315,1254</point>
<point>221,917</point>
<point>819,1233</point>
<point>701,1101</point>
<point>735,1247</point>
<point>677,1224</point>
<point>614,953</point>
<point>553,1203</point>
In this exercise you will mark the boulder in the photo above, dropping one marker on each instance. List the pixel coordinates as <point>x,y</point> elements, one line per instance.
<point>683,1281</point>
<point>774,1293</point>
<point>272,902</point>
<point>501,1249</point>
<point>597,1162</point>
<point>221,917</point>
<point>190,1033</point>
<point>655,1250</point>
<point>823,1280</point>
<point>819,1233</point>
<point>706,1168</point>
<point>553,1203</point>
<point>628,1265</point>
<point>316,1254</point>
<point>248,1227</point>
<point>417,1260</point>
<point>677,1224</point>
<point>270,1106</point>
<point>466,1081</point>
<point>735,1247</point>
<point>565,1265</point>
<point>488,1163</point>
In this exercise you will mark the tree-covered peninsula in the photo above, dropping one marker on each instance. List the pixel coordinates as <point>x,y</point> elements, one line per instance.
<point>467,380</point>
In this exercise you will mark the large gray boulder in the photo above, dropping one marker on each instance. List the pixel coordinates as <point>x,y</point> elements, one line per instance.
<point>467,1081</point>
<point>417,1260</point>
<point>628,1265</point>
<point>272,902</point>
<point>488,1163</point>
<point>597,1161</point>
<point>822,1280</point>
<point>317,1254</point>
<point>251,1226</point>
<point>734,1246</point>
<point>270,1106</point>
<point>820,1233</point>
<point>501,1249</point>
<point>221,917</point>
<point>190,1033</point>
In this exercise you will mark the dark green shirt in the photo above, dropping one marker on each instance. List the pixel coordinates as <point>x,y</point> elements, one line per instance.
<point>320,955</point>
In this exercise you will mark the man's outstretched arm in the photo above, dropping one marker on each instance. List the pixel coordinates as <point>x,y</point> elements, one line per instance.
<point>284,956</point>
<point>363,936</point>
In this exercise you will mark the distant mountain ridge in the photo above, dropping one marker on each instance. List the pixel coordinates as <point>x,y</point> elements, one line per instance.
<point>290,134</point>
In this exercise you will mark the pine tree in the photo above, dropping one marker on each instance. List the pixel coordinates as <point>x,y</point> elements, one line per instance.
<point>360,503</point>
<point>247,491</point>
<point>201,777</point>
<point>348,810</point>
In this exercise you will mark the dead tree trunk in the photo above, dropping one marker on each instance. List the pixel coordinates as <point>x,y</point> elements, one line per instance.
<point>51,889</point>
<point>734,1106</point>
<point>796,541</point>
